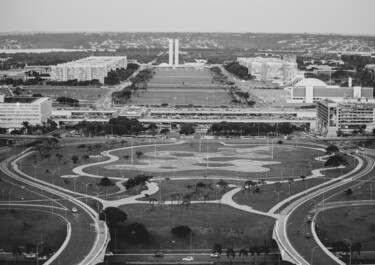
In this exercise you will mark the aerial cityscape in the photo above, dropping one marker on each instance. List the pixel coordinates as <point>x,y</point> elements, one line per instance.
<point>187,132</point>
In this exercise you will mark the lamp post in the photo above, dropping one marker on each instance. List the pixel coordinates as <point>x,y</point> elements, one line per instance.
<point>278,199</point>
<point>315,206</point>
<point>37,247</point>
<point>35,166</point>
<point>10,190</point>
<point>97,195</point>
<point>66,207</point>
<point>74,180</point>
<point>312,255</point>
<point>370,193</point>
<point>86,184</point>
<point>350,250</point>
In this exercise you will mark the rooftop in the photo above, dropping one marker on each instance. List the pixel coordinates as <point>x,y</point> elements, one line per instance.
<point>311,82</point>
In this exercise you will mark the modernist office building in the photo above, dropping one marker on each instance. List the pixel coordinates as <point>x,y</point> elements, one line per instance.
<point>269,69</point>
<point>94,67</point>
<point>15,110</point>
<point>312,90</point>
<point>345,116</point>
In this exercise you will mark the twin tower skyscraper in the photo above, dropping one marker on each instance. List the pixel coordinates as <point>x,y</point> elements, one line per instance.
<point>175,41</point>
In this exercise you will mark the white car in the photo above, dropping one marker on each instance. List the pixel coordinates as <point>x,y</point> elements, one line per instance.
<point>215,255</point>
<point>74,210</point>
<point>109,254</point>
<point>188,259</point>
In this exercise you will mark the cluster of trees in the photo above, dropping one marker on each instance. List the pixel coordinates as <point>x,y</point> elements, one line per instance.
<point>238,70</point>
<point>137,181</point>
<point>344,246</point>
<point>243,252</point>
<point>117,126</point>
<point>134,232</point>
<point>142,78</point>
<point>27,128</point>
<point>187,128</point>
<point>67,101</point>
<point>236,129</point>
<point>335,159</point>
<point>74,82</point>
<point>115,77</point>
<point>123,96</point>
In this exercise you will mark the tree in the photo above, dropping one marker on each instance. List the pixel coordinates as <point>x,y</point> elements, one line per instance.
<point>332,149</point>
<point>244,253</point>
<point>336,161</point>
<point>230,254</point>
<point>112,216</point>
<point>181,230</point>
<point>137,233</point>
<point>139,154</point>
<point>105,182</point>
<point>285,128</point>
<point>223,185</point>
<point>74,159</point>
<point>277,185</point>
<point>139,180</point>
<point>348,192</point>
<point>280,142</point>
<point>217,248</point>
<point>187,129</point>
<point>303,177</point>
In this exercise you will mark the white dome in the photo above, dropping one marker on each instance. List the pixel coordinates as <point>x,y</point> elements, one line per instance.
<point>310,82</point>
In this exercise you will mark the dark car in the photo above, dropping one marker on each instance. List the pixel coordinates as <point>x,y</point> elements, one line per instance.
<point>158,254</point>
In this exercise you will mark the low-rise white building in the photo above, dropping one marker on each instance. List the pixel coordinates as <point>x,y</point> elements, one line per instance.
<point>15,110</point>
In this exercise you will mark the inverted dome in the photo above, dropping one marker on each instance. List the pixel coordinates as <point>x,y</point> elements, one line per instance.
<point>310,82</point>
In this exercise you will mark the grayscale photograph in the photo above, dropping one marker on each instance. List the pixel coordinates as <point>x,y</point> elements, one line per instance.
<point>187,132</point>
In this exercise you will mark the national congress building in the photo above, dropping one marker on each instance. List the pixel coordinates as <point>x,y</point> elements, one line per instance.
<point>94,67</point>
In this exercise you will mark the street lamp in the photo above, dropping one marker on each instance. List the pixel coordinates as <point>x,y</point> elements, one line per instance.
<point>66,211</point>
<point>35,166</point>
<point>37,247</point>
<point>10,190</point>
<point>315,206</point>
<point>74,180</point>
<point>370,193</point>
<point>312,255</point>
<point>278,199</point>
<point>350,250</point>
<point>86,184</point>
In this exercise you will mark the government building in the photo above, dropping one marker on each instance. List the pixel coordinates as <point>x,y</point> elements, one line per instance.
<point>94,67</point>
<point>15,110</point>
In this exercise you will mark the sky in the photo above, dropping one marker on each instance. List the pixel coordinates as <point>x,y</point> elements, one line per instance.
<point>280,16</point>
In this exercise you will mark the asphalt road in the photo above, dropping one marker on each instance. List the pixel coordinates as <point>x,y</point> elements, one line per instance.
<point>297,221</point>
<point>83,234</point>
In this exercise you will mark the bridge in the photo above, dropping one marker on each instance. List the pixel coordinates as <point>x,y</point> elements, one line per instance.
<point>358,51</point>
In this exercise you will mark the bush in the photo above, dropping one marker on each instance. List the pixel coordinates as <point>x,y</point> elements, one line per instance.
<point>181,230</point>
<point>137,233</point>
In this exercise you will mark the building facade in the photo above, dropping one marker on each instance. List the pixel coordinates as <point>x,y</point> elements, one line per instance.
<point>14,111</point>
<point>269,69</point>
<point>344,116</point>
<point>94,67</point>
<point>311,90</point>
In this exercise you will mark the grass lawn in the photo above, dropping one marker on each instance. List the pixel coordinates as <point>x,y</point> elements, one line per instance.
<point>353,223</point>
<point>263,201</point>
<point>170,187</point>
<point>86,95</point>
<point>24,226</point>
<point>294,161</point>
<point>210,224</point>
<point>183,96</point>
<point>64,167</point>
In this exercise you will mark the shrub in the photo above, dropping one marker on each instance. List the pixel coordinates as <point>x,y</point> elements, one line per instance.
<point>181,230</point>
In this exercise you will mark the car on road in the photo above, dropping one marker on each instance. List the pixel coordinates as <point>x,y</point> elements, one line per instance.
<point>309,218</point>
<point>74,210</point>
<point>308,235</point>
<point>189,258</point>
<point>30,256</point>
<point>158,254</point>
<point>109,254</point>
<point>215,255</point>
